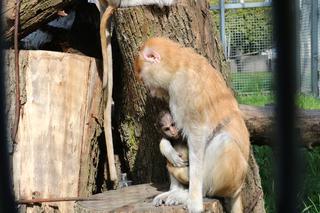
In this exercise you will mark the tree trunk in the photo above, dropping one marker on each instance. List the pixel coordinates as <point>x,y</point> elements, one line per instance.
<point>56,153</point>
<point>260,122</point>
<point>32,15</point>
<point>189,23</point>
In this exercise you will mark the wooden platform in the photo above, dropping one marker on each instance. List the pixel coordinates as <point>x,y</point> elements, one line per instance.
<point>136,198</point>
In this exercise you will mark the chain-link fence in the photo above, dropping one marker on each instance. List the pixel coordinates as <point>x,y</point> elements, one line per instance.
<point>246,33</point>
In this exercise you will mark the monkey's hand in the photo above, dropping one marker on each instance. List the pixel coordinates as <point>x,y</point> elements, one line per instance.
<point>175,159</point>
<point>171,154</point>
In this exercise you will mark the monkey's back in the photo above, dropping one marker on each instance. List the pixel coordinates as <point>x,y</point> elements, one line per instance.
<point>199,96</point>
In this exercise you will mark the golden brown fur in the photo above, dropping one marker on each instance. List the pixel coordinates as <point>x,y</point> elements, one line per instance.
<point>199,101</point>
<point>174,149</point>
<point>180,173</point>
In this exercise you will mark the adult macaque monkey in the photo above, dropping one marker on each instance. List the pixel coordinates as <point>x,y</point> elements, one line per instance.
<point>111,6</point>
<point>204,108</point>
<point>175,150</point>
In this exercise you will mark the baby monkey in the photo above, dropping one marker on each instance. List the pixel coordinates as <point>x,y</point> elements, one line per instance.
<point>175,150</point>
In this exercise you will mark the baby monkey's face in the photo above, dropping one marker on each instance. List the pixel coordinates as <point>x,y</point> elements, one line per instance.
<point>168,127</point>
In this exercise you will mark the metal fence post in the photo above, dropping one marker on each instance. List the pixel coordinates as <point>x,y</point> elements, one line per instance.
<point>288,159</point>
<point>222,26</point>
<point>314,48</point>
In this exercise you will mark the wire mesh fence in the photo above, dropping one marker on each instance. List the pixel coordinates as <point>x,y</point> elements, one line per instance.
<point>309,46</point>
<point>249,49</point>
<point>305,45</point>
<point>248,44</point>
<point>318,47</point>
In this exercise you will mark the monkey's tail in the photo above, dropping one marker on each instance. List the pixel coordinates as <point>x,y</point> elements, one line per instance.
<point>107,88</point>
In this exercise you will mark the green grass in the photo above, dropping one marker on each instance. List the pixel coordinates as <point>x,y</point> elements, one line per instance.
<point>256,99</point>
<point>251,82</point>
<point>309,198</point>
<point>311,185</point>
<point>308,102</point>
<point>264,158</point>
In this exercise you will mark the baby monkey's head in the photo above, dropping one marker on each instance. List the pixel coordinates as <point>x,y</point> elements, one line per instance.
<point>168,126</point>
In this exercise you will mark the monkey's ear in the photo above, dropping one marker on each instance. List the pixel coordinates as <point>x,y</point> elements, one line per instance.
<point>151,56</point>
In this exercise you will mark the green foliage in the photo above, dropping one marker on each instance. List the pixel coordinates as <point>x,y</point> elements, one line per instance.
<point>309,198</point>
<point>311,185</point>
<point>249,29</point>
<point>311,206</point>
<point>265,160</point>
<point>252,27</point>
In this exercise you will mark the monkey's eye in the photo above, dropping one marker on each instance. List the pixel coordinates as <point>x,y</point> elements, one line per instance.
<point>173,124</point>
<point>166,129</point>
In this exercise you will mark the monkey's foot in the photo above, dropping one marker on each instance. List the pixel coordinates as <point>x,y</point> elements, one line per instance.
<point>170,198</point>
<point>177,197</point>
<point>161,198</point>
<point>195,206</point>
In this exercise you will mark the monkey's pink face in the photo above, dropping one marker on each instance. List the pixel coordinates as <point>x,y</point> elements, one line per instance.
<point>168,127</point>
<point>171,131</point>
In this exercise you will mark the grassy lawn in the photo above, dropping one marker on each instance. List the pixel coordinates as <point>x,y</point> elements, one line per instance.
<point>251,82</point>
<point>309,198</point>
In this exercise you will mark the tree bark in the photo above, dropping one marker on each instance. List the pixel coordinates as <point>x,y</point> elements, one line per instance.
<point>32,15</point>
<point>56,153</point>
<point>189,23</point>
<point>260,121</point>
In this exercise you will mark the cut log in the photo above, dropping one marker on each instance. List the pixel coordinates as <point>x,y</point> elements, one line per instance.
<point>32,15</point>
<point>56,152</point>
<point>136,198</point>
<point>260,121</point>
